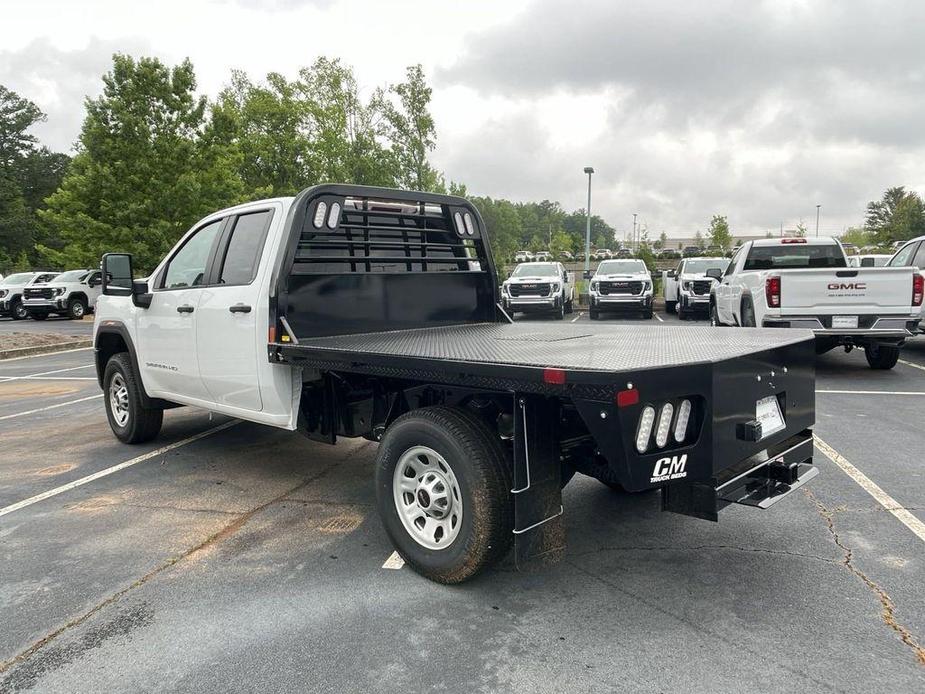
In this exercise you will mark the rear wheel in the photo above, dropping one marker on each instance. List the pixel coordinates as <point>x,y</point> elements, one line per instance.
<point>17,310</point>
<point>881,357</point>
<point>714,316</point>
<point>748,313</point>
<point>443,493</point>
<point>129,419</point>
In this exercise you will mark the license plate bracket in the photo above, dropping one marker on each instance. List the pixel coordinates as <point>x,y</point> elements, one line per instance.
<point>768,412</point>
<point>842,322</point>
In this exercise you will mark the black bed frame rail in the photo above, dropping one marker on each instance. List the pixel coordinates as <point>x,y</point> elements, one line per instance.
<point>393,260</point>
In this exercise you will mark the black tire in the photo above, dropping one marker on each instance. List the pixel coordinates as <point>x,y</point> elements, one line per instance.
<point>747,311</point>
<point>17,310</point>
<point>569,308</point>
<point>559,312</point>
<point>881,357</point>
<point>76,309</point>
<point>671,306</point>
<point>38,316</point>
<point>593,315</point>
<point>714,316</point>
<point>481,468</point>
<point>143,423</point>
<point>647,314</point>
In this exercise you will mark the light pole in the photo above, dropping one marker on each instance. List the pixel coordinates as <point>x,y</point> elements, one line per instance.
<point>817,219</point>
<point>633,240</point>
<point>588,170</point>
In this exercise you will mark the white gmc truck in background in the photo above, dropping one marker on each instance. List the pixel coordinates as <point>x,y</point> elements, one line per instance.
<point>806,283</point>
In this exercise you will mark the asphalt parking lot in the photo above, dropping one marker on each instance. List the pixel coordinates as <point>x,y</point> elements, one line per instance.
<point>229,556</point>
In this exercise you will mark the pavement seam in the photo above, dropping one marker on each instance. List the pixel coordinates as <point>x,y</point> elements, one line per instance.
<point>886,602</point>
<point>210,541</point>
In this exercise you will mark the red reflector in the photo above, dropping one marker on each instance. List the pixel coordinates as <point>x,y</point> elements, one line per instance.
<point>554,377</point>
<point>793,240</point>
<point>625,398</point>
<point>918,289</point>
<point>272,335</point>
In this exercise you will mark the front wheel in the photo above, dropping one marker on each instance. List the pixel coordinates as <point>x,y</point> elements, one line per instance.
<point>443,492</point>
<point>671,306</point>
<point>129,419</point>
<point>18,311</point>
<point>593,314</point>
<point>568,306</point>
<point>76,309</point>
<point>881,357</point>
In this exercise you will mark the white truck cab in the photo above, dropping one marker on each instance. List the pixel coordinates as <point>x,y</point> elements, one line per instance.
<point>911,254</point>
<point>11,292</point>
<point>620,285</point>
<point>539,287</point>
<point>72,294</point>
<point>687,287</point>
<point>807,283</point>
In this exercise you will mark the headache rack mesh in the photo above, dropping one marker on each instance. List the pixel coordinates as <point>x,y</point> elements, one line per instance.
<point>385,236</point>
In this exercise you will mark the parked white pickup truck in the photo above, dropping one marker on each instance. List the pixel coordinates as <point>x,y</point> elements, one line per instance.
<point>806,283</point>
<point>72,294</point>
<point>620,285</point>
<point>687,287</point>
<point>11,292</point>
<point>539,287</point>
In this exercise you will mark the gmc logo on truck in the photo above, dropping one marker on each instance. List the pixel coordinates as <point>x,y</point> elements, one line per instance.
<point>669,468</point>
<point>847,286</point>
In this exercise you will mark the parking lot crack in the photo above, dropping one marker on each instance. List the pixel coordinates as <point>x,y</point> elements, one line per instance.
<point>886,602</point>
<point>215,538</point>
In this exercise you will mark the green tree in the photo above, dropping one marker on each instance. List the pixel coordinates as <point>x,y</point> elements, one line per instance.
<point>561,242</point>
<point>699,240</point>
<point>899,215</point>
<point>408,126</point>
<point>662,241</point>
<point>800,230</point>
<point>858,236</point>
<point>144,172</point>
<point>719,232</point>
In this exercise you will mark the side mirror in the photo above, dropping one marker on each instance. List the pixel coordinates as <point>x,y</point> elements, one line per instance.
<point>118,279</point>
<point>672,273</point>
<point>715,273</point>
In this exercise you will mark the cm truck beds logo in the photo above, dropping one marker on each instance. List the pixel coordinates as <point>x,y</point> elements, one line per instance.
<point>670,468</point>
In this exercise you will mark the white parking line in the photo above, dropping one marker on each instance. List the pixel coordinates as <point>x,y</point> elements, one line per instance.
<point>871,487</point>
<point>47,354</point>
<point>115,468</point>
<point>576,317</point>
<point>873,392</point>
<point>50,407</point>
<point>914,366</point>
<point>660,319</point>
<point>6,379</point>
<point>394,561</point>
<point>54,378</point>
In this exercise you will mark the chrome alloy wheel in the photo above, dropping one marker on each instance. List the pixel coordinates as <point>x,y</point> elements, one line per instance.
<point>118,399</point>
<point>427,497</point>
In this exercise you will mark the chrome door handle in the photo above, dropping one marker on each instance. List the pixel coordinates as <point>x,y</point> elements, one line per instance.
<point>239,308</point>
<point>185,308</point>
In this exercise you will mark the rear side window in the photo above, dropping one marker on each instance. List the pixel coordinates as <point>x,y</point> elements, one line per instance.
<point>245,247</point>
<point>919,261</point>
<point>904,257</point>
<point>795,255</point>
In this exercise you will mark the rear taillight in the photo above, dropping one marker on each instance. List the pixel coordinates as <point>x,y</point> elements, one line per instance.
<point>918,289</point>
<point>772,291</point>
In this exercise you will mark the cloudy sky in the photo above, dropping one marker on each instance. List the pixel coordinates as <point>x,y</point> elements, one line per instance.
<point>756,110</point>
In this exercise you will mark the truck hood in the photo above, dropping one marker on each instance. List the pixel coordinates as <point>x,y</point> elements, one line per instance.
<point>616,278</point>
<point>694,277</point>
<point>531,280</point>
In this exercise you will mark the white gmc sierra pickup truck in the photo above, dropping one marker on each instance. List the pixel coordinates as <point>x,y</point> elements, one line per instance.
<point>687,287</point>
<point>349,311</point>
<point>72,294</point>
<point>539,287</point>
<point>620,285</point>
<point>806,283</point>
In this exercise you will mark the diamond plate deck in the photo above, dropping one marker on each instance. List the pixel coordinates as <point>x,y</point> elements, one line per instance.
<point>604,348</point>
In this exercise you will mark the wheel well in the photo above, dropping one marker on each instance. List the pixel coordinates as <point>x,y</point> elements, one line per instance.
<point>79,295</point>
<point>107,345</point>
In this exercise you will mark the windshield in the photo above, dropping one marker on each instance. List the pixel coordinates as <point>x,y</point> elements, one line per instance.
<point>701,265</point>
<point>44,277</point>
<point>20,278</point>
<point>795,255</point>
<point>621,267</point>
<point>536,270</point>
<point>71,276</point>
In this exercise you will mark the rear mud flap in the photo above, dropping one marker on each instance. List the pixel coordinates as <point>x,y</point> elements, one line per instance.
<point>539,531</point>
<point>760,481</point>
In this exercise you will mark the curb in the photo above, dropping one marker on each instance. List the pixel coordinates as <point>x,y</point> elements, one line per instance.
<point>44,349</point>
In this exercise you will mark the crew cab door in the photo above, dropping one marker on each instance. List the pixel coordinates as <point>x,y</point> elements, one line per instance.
<point>167,328</point>
<point>232,306</point>
<point>729,290</point>
<point>93,283</point>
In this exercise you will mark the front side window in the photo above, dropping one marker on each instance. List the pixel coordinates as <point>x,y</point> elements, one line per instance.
<point>188,266</point>
<point>71,276</point>
<point>904,257</point>
<point>244,248</point>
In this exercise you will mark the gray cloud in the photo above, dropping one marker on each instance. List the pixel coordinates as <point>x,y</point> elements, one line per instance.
<point>58,81</point>
<point>806,102</point>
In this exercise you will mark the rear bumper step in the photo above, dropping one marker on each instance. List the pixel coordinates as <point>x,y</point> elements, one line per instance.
<point>761,481</point>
